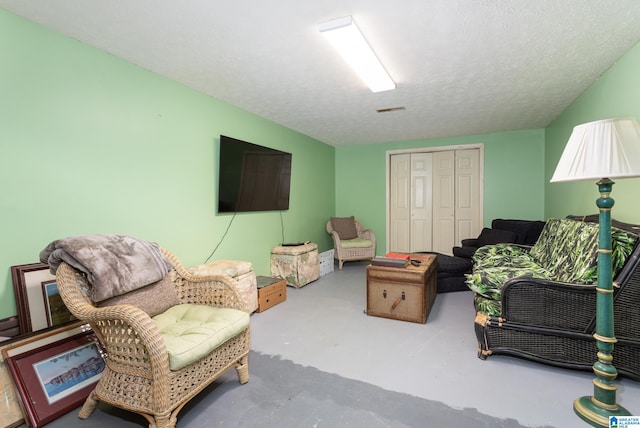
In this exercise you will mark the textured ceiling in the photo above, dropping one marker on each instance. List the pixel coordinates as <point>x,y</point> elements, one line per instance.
<point>462,67</point>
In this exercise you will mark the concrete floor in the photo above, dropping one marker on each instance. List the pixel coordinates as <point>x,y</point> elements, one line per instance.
<point>323,325</point>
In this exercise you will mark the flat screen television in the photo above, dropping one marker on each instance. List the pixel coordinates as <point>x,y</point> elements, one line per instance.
<point>252,177</point>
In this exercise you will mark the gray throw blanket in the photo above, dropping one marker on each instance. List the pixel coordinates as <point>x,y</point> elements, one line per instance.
<point>114,264</point>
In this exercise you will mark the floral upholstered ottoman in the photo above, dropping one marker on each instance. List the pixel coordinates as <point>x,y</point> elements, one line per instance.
<point>239,270</point>
<point>298,264</point>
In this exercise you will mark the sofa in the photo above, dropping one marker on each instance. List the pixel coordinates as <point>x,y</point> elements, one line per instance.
<point>539,302</point>
<point>452,270</point>
<point>524,232</point>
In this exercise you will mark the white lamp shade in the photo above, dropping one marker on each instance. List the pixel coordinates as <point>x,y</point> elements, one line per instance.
<point>607,148</point>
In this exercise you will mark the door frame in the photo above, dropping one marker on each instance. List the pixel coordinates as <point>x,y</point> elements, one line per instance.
<point>389,153</point>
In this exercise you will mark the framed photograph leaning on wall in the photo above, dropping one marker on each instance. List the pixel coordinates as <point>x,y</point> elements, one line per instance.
<point>57,313</point>
<point>11,414</point>
<point>54,374</point>
<point>30,301</point>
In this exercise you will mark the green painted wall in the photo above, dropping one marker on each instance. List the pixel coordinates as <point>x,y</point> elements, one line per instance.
<point>615,94</point>
<point>513,177</point>
<point>93,144</point>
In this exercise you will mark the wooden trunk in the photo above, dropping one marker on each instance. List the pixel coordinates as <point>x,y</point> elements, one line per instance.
<point>405,294</point>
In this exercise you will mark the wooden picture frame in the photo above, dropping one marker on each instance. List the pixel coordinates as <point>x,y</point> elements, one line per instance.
<point>11,413</point>
<point>55,373</point>
<point>55,310</point>
<point>10,410</point>
<point>27,286</point>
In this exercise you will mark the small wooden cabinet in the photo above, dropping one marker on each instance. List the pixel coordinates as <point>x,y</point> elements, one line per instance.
<point>271,291</point>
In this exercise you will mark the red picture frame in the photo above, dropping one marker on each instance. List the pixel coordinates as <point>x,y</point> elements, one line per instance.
<point>27,287</point>
<point>54,379</point>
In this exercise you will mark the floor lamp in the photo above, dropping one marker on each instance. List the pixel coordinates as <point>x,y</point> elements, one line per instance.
<point>602,150</point>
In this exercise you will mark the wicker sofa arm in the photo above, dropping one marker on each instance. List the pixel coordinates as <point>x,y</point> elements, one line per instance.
<point>211,290</point>
<point>114,323</point>
<point>544,303</point>
<point>82,308</point>
<point>368,234</point>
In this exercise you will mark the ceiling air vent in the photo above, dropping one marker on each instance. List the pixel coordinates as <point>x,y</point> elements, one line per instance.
<point>390,109</point>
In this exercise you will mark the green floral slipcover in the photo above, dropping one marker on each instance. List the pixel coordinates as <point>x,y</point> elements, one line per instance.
<point>565,252</point>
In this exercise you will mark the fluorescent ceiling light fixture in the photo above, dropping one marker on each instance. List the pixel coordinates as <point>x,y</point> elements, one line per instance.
<point>345,36</point>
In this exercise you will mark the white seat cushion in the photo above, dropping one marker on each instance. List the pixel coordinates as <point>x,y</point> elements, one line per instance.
<point>191,332</point>
<point>356,243</point>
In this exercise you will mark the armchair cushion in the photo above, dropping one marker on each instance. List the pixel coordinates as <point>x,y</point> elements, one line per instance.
<point>153,299</point>
<point>356,243</point>
<point>345,227</point>
<point>191,332</point>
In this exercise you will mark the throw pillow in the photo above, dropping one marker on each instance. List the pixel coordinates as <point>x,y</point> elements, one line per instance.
<point>153,298</point>
<point>495,236</point>
<point>345,227</point>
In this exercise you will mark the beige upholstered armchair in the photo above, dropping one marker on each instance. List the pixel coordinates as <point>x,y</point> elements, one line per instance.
<point>157,363</point>
<point>351,241</point>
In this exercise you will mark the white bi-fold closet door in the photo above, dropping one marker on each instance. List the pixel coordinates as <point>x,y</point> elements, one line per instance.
<point>434,199</point>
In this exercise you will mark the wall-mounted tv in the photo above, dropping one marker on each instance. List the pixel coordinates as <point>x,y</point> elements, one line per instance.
<point>252,177</point>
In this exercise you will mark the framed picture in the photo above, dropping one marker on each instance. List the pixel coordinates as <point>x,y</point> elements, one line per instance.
<point>11,414</point>
<point>27,286</point>
<point>57,377</point>
<point>10,411</point>
<point>57,313</point>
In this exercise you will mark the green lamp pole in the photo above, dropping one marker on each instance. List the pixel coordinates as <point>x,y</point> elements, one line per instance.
<point>596,410</point>
<point>607,148</point>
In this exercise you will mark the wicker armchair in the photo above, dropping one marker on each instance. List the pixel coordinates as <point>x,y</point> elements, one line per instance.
<point>360,247</point>
<point>137,376</point>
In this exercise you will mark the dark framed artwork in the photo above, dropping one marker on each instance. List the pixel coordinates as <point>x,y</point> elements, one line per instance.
<point>27,286</point>
<point>11,413</point>
<point>57,377</point>
<point>57,313</point>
